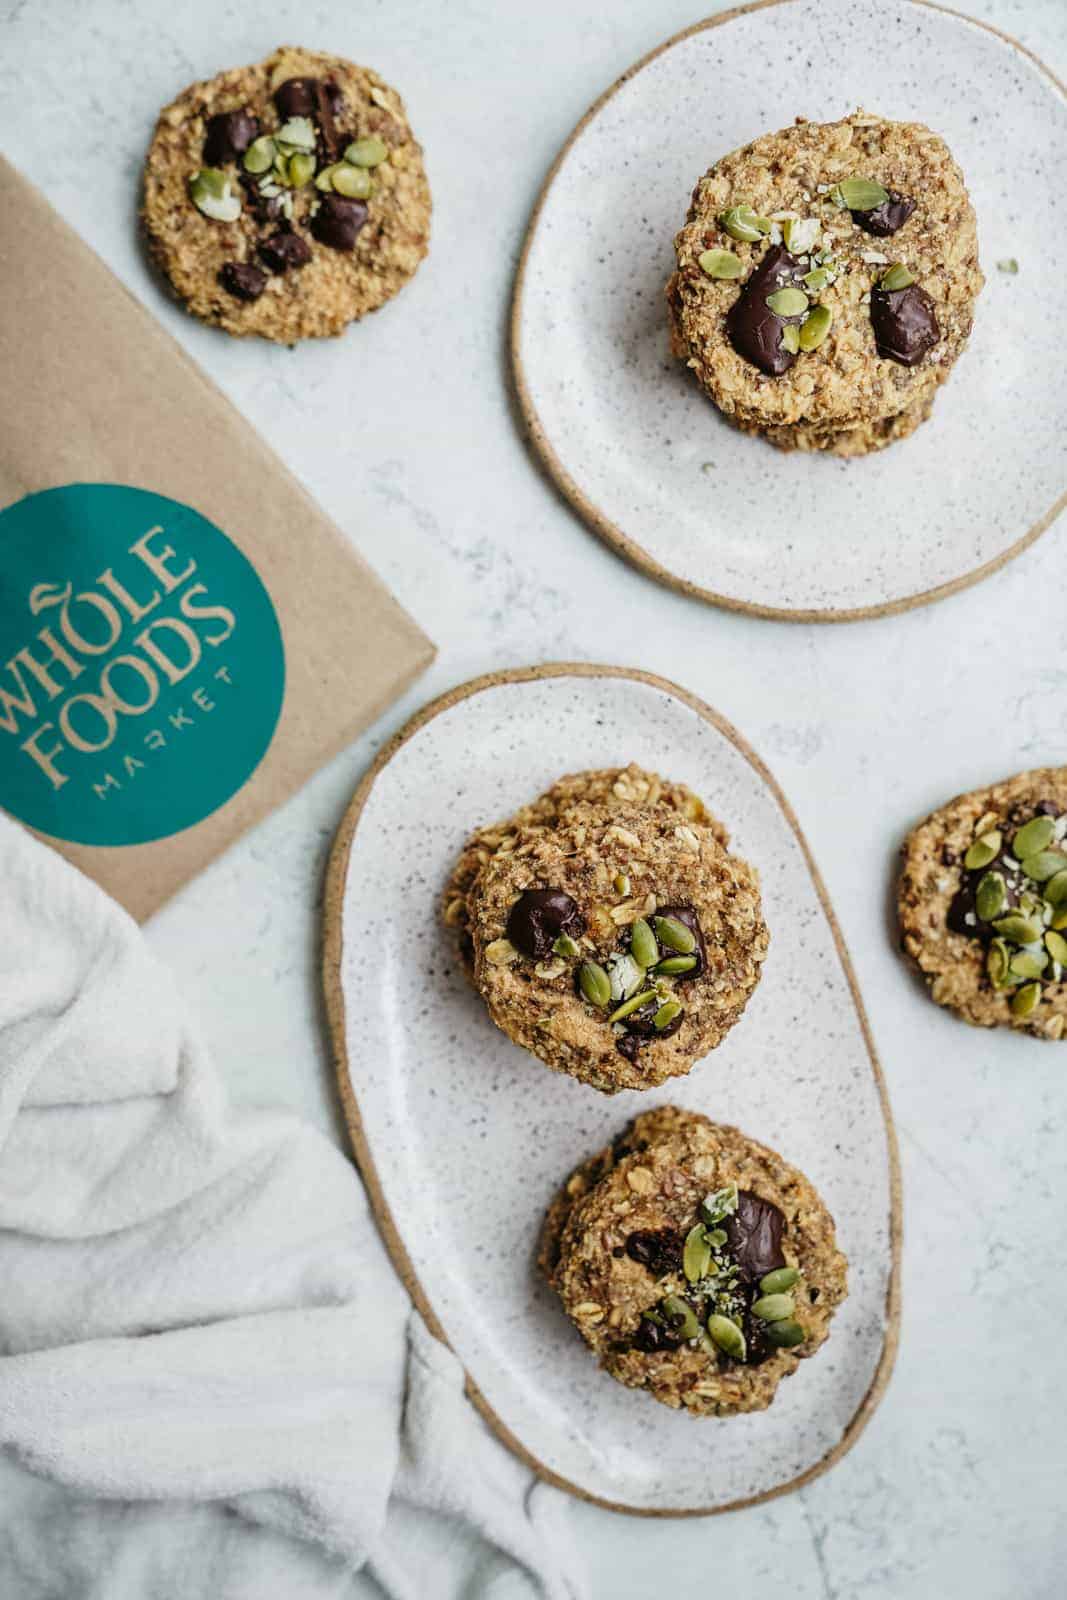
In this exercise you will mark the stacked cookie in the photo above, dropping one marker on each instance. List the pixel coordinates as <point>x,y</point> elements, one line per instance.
<point>609,929</point>
<point>825,284</point>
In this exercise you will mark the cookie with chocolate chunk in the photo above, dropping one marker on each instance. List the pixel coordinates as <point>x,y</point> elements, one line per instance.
<point>982,902</point>
<point>286,199</point>
<point>696,1264</point>
<point>619,945</point>
<point>826,279</point>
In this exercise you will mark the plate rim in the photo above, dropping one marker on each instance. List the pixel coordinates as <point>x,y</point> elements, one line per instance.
<point>609,531</point>
<point>332,951</point>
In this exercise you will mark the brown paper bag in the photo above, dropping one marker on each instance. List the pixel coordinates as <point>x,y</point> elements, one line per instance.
<point>184,636</point>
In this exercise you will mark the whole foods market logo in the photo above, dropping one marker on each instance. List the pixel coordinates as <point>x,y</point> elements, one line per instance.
<point>141,665</point>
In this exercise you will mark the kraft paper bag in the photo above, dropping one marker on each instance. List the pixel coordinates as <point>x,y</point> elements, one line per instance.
<point>184,636</point>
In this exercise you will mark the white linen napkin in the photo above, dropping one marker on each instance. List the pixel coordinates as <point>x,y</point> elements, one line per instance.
<point>196,1310</point>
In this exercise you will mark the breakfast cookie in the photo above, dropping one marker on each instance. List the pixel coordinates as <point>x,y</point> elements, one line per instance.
<point>983,903</point>
<point>618,946</point>
<point>695,1263</point>
<point>608,786</point>
<point>826,277</point>
<point>286,199</point>
<point>846,442</point>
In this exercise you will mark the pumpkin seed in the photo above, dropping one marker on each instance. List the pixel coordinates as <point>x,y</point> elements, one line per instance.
<point>791,338</point>
<point>1055,890</point>
<point>696,1256</point>
<point>896,277</point>
<point>788,302</point>
<point>501,953</point>
<point>741,222</point>
<point>990,895</point>
<point>1025,1000</point>
<point>858,194</point>
<point>666,1015</point>
<point>298,133</point>
<point>566,946</point>
<point>774,1307</point>
<point>594,983</point>
<point>1009,265</point>
<point>675,935</point>
<point>716,1237</point>
<point>259,157</point>
<point>815,327</point>
<point>799,234</point>
<point>369,152</point>
<point>621,884</point>
<point>1028,964</point>
<point>1056,945</point>
<point>1035,835</point>
<point>635,1002</point>
<point>1020,930</point>
<point>212,194</point>
<point>681,1316</point>
<point>728,1336</point>
<point>643,946</point>
<point>1044,864</point>
<point>778,1281</point>
<point>985,849</point>
<point>674,966</point>
<point>817,279</point>
<point>355,183</point>
<point>997,964</point>
<point>723,1203</point>
<point>1059,918</point>
<point>784,1334</point>
<point>301,169</point>
<point>720,264</point>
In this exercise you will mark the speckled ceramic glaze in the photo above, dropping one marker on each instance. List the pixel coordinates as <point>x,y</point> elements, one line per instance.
<point>629,435</point>
<point>464,1137</point>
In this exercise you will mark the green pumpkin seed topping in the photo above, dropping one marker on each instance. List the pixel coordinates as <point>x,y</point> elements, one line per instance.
<point>696,1258</point>
<point>800,234</point>
<point>681,1316</point>
<point>858,194</point>
<point>990,896</point>
<point>621,884</point>
<point>1019,929</point>
<point>370,152</point>
<point>355,183</point>
<point>666,1015</point>
<point>1035,835</point>
<point>213,194</point>
<point>723,1203</point>
<point>674,966</point>
<point>594,984</point>
<point>643,944</point>
<point>896,277</point>
<point>296,134</point>
<point>567,947</point>
<point>674,935</point>
<point>1044,864</point>
<point>785,1335</point>
<point>1056,889</point>
<point>741,222</point>
<point>635,1002</point>
<point>301,169</point>
<point>1028,964</point>
<point>815,327</point>
<point>778,1281</point>
<point>984,850</point>
<point>997,964</point>
<point>728,1336</point>
<point>818,279</point>
<point>1056,945</point>
<point>774,1307</point>
<point>720,264</point>
<point>791,338</point>
<point>259,157</point>
<point>788,302</point>
<point>1025,1000</point>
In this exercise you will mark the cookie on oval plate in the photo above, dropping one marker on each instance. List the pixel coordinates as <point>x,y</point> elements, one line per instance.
<point>288,198</point>
<point>620,945</point>
<point>696,1264</point>
<point>983,903</point>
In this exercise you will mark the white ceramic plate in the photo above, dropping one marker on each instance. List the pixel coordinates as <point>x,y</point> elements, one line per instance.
<point>462,1137</point>
<point>627,433</point>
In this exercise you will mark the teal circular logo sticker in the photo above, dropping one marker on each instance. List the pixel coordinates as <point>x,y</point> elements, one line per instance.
<point>141,665</point>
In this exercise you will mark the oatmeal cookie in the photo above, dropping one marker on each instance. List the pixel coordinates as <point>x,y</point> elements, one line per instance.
<point>695,1263</point>
<point>983,903</point>
<point>826,276</point>
<point>286,199</point>
<point>846,442</point>
<point>618,946</point>
<point>607,786</point>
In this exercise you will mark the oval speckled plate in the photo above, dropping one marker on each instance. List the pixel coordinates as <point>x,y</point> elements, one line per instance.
<point>627,434</point>
<point>462,1137</point>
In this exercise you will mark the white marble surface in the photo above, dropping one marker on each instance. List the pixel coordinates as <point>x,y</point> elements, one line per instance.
<point>404,431</point>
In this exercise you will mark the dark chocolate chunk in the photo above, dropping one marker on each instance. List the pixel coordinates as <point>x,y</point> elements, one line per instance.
<point>297,97</point>
<point>265,208</point>
<point>886,218</point>
<point>243,280</point>
<point>904,324</point>
<point>754,1236</point>
<point>660,1251</point>
<point>688,917</point>
<point>228,136</point>
<point>652,1336</point>
<point>537,919</point>
<point>326,111</point>
<point>338,221</point>
<point>283,251</point>
<point>629,1045</point>
<point>755,331</point>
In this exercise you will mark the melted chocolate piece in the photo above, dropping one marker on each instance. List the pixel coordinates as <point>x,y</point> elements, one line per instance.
<point>243,280</point>
<point>755,331</point>
<point>754,1236</point>
<point>337,221</point>
<point>297,97</point>
<point>650,1337</point>
<point>329,102</point>
<point>905,326</point>
<point>886,218</point>
<point>687,916</point>
<point>265,208</point>
<point>537,919</point>
<point>228,136</point>
<point>284,251</point>
<point>659,1251</point>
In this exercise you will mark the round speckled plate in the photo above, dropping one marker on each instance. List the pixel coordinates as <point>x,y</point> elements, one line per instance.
<point>627,434</point>
<point>462,1137</point>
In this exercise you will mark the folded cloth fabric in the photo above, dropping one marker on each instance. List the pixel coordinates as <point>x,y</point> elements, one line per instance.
<point>195,1308</point>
